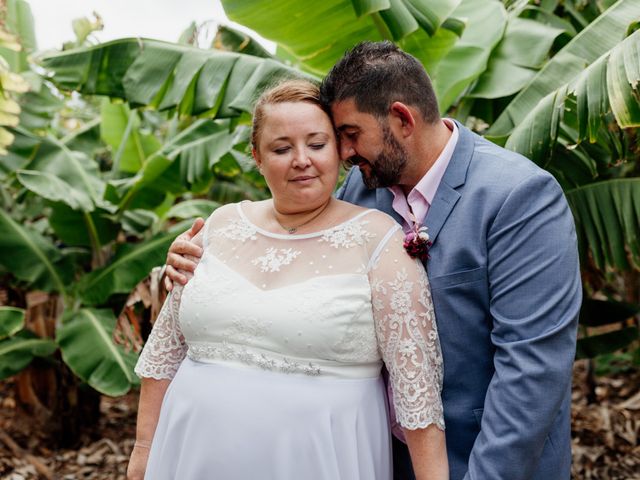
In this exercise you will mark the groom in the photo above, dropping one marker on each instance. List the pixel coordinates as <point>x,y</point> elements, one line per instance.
<point>503,265</point>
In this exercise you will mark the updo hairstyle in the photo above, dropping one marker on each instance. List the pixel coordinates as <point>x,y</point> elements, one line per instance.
<point>291,90</point>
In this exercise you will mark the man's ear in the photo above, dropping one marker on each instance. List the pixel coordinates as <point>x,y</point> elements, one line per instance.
<point>403,118</point>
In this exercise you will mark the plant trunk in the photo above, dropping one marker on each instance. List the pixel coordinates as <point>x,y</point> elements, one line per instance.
<point>59,405</point>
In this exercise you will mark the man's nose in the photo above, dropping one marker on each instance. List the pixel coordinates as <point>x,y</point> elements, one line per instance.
<point>346,150</point>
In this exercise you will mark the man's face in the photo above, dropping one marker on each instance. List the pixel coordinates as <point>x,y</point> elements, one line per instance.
<point>369,144</point>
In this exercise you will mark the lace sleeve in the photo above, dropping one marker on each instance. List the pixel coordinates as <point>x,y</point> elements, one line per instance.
<point>407,334</point>
<point>165,348</point>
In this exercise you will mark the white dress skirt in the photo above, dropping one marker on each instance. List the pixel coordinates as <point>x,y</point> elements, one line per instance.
<point>233,423</point>
<point>274,350</point>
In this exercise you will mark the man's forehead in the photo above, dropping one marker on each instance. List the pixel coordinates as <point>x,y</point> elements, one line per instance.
<point>345,113</point>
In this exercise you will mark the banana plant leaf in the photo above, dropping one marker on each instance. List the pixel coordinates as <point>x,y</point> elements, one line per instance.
<point>74,228</point>
<point>598,38</point>
<point>39,105</point>
<point>453,62</point>
<point>59,174</point>
<point>30,257</point>
<point>17,352</point>
<point>305,35</point>
<point>11,321</point>
<point>131,263</point>
<point>18,20</point>
<point>468,58</point>
<point>514,62</point>
<point>611,83</point>
<point>86,138</point>
<point>190,209</point>
<point>232,40</point>
<point>120,129</point>
<point>594,345</point>
<point>167,76</point>
<point>607,216</point>
<point>86,342</point>
<point>138,221</point>
<point>191,152</point>
<point>595,313</point>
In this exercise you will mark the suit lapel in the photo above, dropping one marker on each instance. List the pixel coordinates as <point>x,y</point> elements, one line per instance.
<point>455,175</point>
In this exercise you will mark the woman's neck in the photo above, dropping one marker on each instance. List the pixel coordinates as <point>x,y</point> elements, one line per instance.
<point>291,221</point>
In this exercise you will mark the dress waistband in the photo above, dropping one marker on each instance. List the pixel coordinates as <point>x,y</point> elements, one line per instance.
<point>233,354</point>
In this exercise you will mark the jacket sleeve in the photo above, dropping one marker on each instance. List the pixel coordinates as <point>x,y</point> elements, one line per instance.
<point>535,297</point>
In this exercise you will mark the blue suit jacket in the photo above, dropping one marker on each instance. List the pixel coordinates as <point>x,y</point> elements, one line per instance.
<point>505,281</point>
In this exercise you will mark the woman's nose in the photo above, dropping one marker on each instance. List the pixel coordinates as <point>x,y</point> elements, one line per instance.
<point>301,158</point>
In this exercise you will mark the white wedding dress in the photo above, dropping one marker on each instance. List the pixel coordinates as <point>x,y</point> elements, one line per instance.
<point>275,348</point>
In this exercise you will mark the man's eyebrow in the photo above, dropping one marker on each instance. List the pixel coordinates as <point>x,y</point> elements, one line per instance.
<point>344,127</point>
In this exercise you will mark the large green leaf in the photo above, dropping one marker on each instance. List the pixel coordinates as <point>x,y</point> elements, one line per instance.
<point>19,21</point>
<point>514,61</point>
<point>610,83</point>
<point>192,208</point>
<point>39,105</point>
<point>59,174</point>
<point>595,313</point>
<point>305,37</point>
<point>232,40</point>
<point>592,346</point>
<point>51,187</point>
<point>120,129</point>
<point>167,76</point>
<point>131,263</point>
<point>467,60</point>
<point>17,352</point>
<point>31,257</point>
<point>192,152</point>
<point>87,346</point>
<point>11,321</point>
<point>74,229</point>
<point>591,43</point>
<point>607,216</point>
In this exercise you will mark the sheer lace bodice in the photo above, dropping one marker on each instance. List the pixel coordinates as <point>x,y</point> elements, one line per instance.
<point>332,303</point>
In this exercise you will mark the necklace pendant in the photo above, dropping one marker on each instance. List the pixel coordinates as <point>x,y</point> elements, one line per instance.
<point>292,230</point>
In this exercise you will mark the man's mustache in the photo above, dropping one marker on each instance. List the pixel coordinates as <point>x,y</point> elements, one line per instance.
<point>355,160</point>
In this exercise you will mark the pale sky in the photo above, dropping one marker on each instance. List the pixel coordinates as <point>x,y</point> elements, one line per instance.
<point>159,19</point>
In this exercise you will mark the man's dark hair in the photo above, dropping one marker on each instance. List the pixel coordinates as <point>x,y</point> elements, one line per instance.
<point>376,74</point>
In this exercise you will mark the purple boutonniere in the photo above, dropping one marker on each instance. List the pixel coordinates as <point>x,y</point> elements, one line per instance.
<point>417,242</point>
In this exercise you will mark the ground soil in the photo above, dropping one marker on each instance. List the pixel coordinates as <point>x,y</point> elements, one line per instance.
<point>605,429</point>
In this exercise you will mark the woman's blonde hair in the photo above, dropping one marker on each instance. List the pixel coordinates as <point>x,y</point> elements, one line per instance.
<point>292,90</point>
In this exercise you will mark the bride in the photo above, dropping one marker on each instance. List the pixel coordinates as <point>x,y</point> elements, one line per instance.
<point>267,364</point>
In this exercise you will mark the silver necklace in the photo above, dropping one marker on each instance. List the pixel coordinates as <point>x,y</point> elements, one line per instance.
<point>292,230</point>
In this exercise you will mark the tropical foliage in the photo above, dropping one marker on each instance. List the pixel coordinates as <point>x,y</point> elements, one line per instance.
<point>118,140</point>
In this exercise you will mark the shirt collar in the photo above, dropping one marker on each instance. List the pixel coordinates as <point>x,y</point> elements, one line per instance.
<point>428,184</point>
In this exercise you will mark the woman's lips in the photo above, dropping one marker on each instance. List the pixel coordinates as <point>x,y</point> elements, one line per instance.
<point>303,179</point>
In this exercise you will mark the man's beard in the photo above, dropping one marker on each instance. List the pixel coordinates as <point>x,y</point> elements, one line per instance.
<point>386,169</point>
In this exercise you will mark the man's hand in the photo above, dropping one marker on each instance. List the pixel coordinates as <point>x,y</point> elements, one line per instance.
<point>176,259</point>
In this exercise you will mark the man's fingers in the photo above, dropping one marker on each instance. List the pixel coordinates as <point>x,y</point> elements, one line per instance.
<point>180,262</point>
<point>185,247</point>
<point>175,276</point>
<point>196,227</point>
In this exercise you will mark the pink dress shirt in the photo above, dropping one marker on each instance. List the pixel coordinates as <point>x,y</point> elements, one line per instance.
<point>420,197</point>
<point>416,205</point>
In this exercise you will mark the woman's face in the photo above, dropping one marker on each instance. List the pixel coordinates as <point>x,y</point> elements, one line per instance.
<point>298,156</point>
